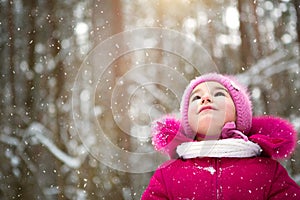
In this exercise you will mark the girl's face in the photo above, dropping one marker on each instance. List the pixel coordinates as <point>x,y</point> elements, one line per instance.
<point>210,107</point>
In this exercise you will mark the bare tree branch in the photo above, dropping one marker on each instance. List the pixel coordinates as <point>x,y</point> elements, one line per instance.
<point>38,132</point>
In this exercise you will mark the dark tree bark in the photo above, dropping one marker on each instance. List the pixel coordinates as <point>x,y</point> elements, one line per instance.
<point>31,58</point>
<point>250,36</point>
<point>11,58</point>
<point>297,8</point>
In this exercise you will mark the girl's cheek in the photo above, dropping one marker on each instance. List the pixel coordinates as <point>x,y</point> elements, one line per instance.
<point>193,107</point>
<point>230,111</point>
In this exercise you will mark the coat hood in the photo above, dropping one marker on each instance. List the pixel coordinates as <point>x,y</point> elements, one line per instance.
<point>276,136</point>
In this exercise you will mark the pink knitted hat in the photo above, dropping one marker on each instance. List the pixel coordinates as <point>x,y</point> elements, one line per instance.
<point>238,93</point>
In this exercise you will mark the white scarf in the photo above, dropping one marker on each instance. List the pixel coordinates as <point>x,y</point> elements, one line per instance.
<point>231,147</point>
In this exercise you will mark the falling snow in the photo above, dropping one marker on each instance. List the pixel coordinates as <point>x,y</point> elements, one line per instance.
<point>62,140</point>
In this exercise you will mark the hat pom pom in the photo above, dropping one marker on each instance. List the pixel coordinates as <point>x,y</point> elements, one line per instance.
<point>276,136</point>
<point>163,131</point>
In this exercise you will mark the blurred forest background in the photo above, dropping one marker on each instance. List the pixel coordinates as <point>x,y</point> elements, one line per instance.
<point>44,43</point>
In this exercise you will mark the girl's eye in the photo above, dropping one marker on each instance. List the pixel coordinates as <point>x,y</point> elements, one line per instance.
<point>219,94</point>
<point>196,98</point>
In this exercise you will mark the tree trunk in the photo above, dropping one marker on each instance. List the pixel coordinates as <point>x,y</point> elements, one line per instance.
<point>31,59</point>
<point>11,58</point>
<point>107,21</point>
<point>251,50</point>
<point>297,8</point>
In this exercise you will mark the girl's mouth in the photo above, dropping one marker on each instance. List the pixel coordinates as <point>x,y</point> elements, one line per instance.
<point>206,108</point>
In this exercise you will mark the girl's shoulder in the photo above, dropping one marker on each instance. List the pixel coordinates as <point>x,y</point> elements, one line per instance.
<point>276,136</point>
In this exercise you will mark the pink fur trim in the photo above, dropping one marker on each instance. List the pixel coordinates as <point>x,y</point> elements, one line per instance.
<point>166,135</point>
<point>276,136</point>
<point>163,131</point>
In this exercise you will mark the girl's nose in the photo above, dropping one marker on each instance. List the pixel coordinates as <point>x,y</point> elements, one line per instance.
<point>206,99</point>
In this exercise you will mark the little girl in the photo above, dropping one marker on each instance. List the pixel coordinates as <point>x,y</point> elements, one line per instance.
<point>218,151</point>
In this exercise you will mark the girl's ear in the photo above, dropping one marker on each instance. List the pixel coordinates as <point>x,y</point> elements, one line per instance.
<point>167,135</point>
<point>276,136</point>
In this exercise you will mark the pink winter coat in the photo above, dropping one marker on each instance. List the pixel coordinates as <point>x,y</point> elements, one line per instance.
<point>255,178</point>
